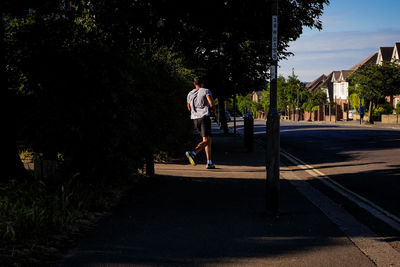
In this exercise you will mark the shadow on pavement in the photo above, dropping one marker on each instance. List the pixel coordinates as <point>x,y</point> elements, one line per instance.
<point>177,220</point>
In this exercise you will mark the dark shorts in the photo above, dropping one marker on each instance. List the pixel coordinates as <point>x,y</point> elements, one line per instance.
<point>361,116</point>
<point>203,125</point>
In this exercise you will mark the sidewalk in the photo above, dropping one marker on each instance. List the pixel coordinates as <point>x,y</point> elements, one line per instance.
<point>188,215</point>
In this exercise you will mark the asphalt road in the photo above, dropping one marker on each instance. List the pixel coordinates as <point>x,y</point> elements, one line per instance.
<point>364,160</point>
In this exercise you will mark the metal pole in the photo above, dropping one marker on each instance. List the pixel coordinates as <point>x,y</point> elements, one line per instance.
<point>234,114</point>
<point>273,124</point>
<point>297,104</point>
<point>336,110</point>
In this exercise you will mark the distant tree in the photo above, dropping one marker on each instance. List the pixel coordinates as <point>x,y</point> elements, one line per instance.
<point>374,82</point>
<point>265,99</point>
<point>397,109</point>
<point>290,93</point>
<point>244,103</point>
<point>313,101</point>
<point>282,103</point>
<point>356,101</point>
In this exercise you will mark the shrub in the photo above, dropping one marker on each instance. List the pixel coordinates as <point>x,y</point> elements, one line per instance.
<point>397,109</point>
<point>386,108</point>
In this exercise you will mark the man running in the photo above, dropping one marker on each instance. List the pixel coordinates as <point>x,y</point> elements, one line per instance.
<point>361,112</point>
<point>199,103</point>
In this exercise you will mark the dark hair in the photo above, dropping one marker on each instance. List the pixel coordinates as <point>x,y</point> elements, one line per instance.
<point>198,80</point>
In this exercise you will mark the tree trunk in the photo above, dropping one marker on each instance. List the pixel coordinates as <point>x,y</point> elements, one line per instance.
<point>222,116</point>
<point>370,119</point>
<point>234,114</point>
<point>294,113</point>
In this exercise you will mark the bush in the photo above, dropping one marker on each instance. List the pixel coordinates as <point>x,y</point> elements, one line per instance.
<point>104,111</point>
<point>397,109</point>
<point>386,108</point>
<point>38,217</point>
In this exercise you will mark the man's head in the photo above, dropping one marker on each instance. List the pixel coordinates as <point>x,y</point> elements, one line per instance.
<point>198,81</point>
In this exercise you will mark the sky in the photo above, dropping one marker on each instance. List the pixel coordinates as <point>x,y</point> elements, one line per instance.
<point>352,31</point>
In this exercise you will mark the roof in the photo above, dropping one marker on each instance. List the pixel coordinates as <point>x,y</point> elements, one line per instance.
<point>316,83</point>
<point>386,53</point>
<point>327,80</point>
<point>258,93</point>
<point>371,59</point>
<point>345,73</point>
<point>396,49</point>
<point>335,76</point>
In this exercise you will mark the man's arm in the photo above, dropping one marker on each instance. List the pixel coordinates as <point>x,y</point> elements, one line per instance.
<point>188,106</point>
<point>212,104</point>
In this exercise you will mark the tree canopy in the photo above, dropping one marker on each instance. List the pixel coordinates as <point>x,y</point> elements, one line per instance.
<point>101,81</point>
<point>373,82</point>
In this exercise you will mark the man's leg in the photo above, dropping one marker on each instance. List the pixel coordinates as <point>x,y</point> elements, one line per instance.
<point>205,130</point>
<point>207,148</point>
<point>202,145</point>
<point>192,155</point>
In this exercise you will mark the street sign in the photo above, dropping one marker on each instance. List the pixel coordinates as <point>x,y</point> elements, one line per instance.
<point>272,72</point>
<point>275,38</point>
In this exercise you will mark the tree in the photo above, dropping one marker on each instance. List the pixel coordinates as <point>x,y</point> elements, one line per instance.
<point>374,82</point>
<point>290,93</point>
<point>265,99</point>
<point>314,100</point>
<point>85,93</point>
<point>397,109</point>
<point>244,103</point>
<point>234,48</point>
<point>79,65</point>
<point>356,101</point>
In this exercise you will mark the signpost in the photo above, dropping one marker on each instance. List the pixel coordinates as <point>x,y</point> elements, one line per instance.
<point>273,124</point>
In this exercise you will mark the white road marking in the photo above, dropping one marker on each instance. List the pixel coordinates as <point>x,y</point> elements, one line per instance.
<point>380,252</point>
<point>362,202</point>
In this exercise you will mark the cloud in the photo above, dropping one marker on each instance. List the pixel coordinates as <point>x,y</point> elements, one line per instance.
<point>323,52</point>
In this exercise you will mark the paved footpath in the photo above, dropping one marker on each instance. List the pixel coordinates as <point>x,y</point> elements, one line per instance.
<point>188,215</point>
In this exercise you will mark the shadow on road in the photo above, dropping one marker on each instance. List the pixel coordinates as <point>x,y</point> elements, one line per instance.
<point>320,144</point>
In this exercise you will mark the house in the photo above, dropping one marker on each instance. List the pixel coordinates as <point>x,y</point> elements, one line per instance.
<point>371,59</point>
<point>316,83</point>
<point>336,85</point>
<point>340,84</point>
<point>395,99</point>
<point>396,53</point>
<point>256,96</point>
<point>316,115</point>
<point>336,88</point>
<point>339,93</point>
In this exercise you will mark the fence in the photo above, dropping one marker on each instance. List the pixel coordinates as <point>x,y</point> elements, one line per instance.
<point>392,119</point>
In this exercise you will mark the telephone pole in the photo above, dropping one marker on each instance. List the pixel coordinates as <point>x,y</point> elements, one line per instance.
<point>273,123</point>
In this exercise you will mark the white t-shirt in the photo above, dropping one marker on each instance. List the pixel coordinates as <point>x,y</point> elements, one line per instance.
<point>197,98</point>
